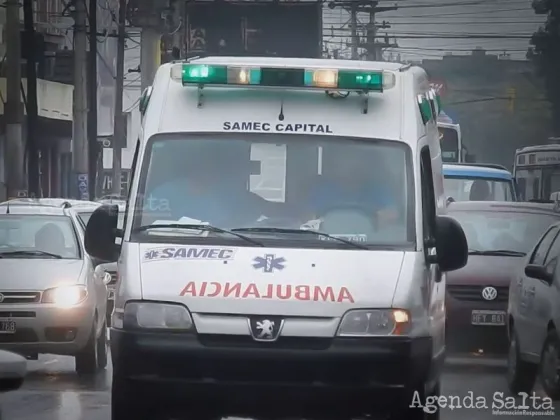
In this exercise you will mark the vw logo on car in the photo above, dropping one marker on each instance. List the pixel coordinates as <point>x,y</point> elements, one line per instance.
<point>489,293</point>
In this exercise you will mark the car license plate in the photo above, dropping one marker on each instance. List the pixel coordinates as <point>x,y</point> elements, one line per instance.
<point>490,318</point>
<point>7,327</point>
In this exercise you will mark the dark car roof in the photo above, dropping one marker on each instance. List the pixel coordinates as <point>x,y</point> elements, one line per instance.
<point>508,206</point>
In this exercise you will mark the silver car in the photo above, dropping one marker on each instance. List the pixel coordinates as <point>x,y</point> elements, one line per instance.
<point>85,212</point>
<point>51,299</point>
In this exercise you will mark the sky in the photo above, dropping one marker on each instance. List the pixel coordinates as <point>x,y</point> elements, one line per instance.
<point>432,28</point>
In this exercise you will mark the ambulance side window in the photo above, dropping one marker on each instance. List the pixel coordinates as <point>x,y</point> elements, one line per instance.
<point>428,196</point>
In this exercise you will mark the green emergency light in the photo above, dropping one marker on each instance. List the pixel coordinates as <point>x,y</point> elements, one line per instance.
<point>202,74</point>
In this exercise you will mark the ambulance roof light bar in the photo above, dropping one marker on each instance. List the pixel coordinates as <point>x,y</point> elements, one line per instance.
<point>284,77</point>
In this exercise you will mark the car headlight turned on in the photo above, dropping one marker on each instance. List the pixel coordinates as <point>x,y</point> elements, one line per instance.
<point>374,322</point>
<point>65,296</point>
<point>157,316</point>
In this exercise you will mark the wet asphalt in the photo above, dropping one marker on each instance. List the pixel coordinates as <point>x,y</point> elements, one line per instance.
<point>53,391</point>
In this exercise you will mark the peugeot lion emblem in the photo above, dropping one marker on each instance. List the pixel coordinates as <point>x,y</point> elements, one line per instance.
<point>265,328</point>
<point>1,298</point>
<point>489,293</point>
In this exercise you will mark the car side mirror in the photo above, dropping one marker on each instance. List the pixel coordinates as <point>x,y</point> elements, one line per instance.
<point>538,272</point>
<point>452,251</point>
<point>101,233</point>
<point>103,272</point>
<point>13,369</point>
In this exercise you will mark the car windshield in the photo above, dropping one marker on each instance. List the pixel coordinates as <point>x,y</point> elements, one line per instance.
<point>478,189</point>
<point>503,230</point>
<point>35,236</point>
<point>358,190</point>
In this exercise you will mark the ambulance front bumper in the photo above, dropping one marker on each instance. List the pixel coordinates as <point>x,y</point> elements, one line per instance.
<point>231,368</point>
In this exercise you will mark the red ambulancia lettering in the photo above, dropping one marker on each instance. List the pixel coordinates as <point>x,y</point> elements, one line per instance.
<point>269,291</point>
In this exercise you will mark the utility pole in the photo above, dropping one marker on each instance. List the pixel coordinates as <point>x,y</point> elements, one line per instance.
<point>31,105</point>
<point>374,50</point>
<point>150,55</point>
<point>80,111</point>
<point>13,110</point>
<point>354,30</point>
<point>92,143</point>
<point>371,7</point>
<point>119,121</point>
<point>178,49</point>
<point>147,14</point>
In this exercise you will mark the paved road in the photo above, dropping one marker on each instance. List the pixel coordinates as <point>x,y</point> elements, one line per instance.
<point>54,392</point>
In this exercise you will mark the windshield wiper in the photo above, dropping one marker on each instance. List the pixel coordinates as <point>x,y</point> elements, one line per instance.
<point>29,254</point>
<point>498,252</point>
<point>203,228</point>
<point>298,231</point>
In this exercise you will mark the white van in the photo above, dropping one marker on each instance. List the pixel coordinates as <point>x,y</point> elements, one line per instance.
<point>284,243</point>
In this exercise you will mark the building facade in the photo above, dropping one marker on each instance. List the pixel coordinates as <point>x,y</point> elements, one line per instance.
<point>54,93</point>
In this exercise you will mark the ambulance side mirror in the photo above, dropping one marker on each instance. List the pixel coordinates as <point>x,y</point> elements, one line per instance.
<point>452,251</point>
<point>101,233</point>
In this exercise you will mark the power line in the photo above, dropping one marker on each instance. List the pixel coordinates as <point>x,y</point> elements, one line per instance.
<point>473,36</point>
<point>453,49</point>
<point>458,4</point>
<point>481,12</point>
<point>512,22</point>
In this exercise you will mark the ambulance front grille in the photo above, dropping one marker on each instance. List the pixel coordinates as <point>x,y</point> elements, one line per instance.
<point>245,341</point>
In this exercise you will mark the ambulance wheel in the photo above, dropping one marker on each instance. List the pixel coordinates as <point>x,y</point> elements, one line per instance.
<point>127,404</point>
<point>521,375</point>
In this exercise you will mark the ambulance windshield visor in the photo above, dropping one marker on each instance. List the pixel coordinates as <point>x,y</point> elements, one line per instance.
<point>357,190</point>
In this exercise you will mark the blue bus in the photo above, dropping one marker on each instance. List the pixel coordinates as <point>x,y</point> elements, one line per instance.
<point>478,182</point>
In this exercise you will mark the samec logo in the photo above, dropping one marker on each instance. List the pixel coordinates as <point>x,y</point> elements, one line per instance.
<point>489,293</point>
<point>189,253</point>
<point>269,263</point>
<point>265,329</point>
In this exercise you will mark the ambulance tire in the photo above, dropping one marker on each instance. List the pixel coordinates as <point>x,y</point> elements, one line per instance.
<point>127,404</point>
<point>406,412</point>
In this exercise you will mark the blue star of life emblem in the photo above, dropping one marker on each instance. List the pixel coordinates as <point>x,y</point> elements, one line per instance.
<point>151,255</point>
<point>269,263</point>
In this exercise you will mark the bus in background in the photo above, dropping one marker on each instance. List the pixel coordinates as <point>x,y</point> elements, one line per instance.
<point>451,142</point>
<point>537,171</point>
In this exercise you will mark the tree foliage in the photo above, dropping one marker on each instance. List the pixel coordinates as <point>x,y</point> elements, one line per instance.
<point>545,52</point>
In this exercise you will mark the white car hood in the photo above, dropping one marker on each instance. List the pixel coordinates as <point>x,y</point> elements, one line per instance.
<point>37,274</point>
<point>297,282</point>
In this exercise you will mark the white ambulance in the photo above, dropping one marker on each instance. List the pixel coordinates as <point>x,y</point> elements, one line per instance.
<point>284,246</point>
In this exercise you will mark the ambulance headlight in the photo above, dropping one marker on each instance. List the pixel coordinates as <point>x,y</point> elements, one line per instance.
<point>157,316</point>
<point>374,322</point>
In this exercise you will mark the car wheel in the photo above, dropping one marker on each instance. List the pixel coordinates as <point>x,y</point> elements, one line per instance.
<point>521,375</point>
<point>87,360</point>
<point>550,365</point>
<point>418,407</point>
<point>126,403</point>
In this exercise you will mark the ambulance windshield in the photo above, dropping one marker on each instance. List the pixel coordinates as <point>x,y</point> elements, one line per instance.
<point>357,190</point>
